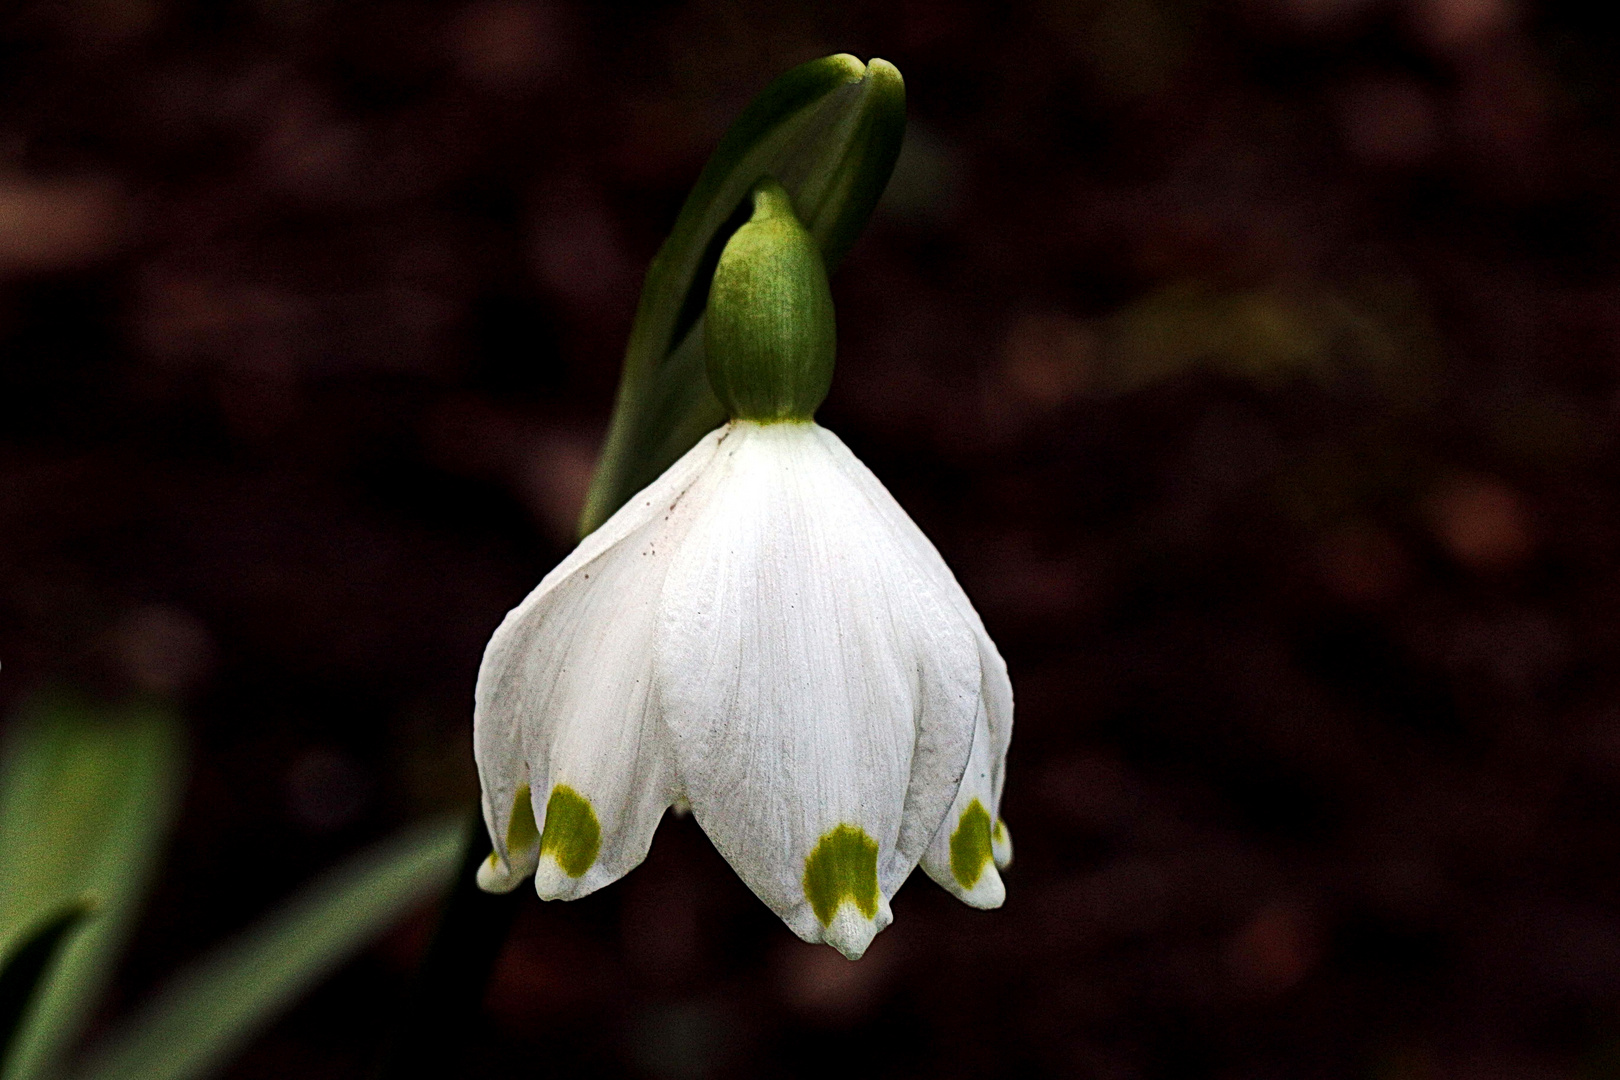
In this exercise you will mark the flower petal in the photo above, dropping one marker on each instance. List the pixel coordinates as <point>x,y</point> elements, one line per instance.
<point>1001,844</point>
<point>819,686</point>
<point>510,863</point>
<point>572,759</point>
<point>962,857</point>
<point>995,721</point>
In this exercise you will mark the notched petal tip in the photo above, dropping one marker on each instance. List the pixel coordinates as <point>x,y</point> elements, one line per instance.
<point>841,889</point>
<point>969,872</point>
<point>552,882</point>
<point>569,846</point>
<point>987,893</point>
<point>496,876</point>
<point>851,932</point>
<point>1001,848</point>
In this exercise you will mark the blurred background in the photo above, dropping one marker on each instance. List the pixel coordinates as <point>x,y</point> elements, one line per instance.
<point>1253,362</point>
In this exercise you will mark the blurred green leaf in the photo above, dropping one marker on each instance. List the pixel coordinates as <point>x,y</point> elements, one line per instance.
<point>1371,334</point>
<point>24,968</point>
<point>87,794</point>
<point>1258,335</point>
<point>209,1011</point>
<point>830,131</point>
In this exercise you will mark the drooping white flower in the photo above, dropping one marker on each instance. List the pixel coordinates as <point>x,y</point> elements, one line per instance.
<point>762,634</point>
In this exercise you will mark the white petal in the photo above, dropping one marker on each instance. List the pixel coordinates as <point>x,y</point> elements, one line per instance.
<point>518,847</point>
<point>819,685</point>
<point>562,703</point>
<point>1001,847</point>
<point>962,857</point>
<point>990,748</point>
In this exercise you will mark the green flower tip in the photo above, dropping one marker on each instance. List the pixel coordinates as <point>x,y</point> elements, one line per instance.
<point>843,868</point>
<point>971,845</point>
<point>573,836</point>
<point>769,331</point>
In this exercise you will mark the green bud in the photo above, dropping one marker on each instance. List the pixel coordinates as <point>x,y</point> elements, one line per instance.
<point>769,329</point>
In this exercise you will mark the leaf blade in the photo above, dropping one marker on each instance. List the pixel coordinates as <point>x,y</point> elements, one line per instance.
<point>24,969</point>
<point>212,1009</point>
<point>87,795</point>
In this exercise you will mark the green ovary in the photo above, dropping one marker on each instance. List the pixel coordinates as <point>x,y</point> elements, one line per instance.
<point>843,867</point>
<point>970,845</point>
<point>573,836</point>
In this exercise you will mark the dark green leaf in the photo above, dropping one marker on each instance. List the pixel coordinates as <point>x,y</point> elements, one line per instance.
<point>23,969</point>
<point>206,1013</point>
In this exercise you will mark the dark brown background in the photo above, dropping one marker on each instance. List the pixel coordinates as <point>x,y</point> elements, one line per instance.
<point>1254,364</point>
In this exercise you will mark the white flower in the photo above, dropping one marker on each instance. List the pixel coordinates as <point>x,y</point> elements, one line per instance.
<point>763,634</point>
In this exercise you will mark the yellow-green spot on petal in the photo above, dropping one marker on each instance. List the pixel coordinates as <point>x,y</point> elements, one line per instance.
<point>999,835</point>
<point>520,831</point>
<point>573,836</point>
<point>843,867</point>
<point>970,844</point>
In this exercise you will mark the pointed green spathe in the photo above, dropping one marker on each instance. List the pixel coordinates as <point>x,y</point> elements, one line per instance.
<point>829,131</point>
<point>769,336</point>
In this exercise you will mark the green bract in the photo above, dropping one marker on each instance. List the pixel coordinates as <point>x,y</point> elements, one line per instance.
<point>769,337</point>
<point>830,131</point>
